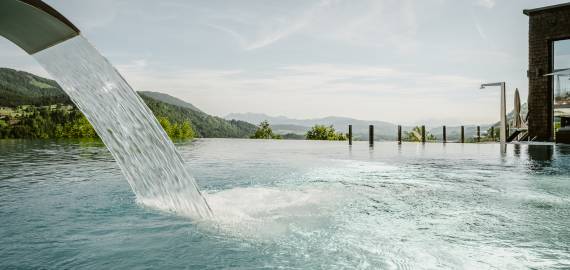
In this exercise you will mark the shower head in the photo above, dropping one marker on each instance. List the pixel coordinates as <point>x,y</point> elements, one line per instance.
<point>33,25</point>
<point>490,84</point>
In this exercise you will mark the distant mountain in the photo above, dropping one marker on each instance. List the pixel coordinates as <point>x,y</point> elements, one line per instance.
<point>169,99</point>
<point>256,118</point>
<point>295,129</point>
<point>22,88</point>
<point>382,130</point>
<point>283,125</point>
<point>454,132</point>
<point>204,125</point>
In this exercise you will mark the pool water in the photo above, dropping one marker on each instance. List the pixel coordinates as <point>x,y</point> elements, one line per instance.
<point>293,205</point>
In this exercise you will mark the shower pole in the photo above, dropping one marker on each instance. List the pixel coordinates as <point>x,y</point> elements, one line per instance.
<point>503,130</point>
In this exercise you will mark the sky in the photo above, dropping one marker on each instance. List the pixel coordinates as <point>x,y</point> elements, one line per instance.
<point>403,61</point>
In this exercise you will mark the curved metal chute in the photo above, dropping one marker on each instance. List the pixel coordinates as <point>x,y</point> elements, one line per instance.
<point>33,25</point>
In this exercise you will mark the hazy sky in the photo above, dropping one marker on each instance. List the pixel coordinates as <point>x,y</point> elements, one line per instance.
<point>396,60</point>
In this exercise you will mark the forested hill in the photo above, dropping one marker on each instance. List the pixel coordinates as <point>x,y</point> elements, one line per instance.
<point>204,125</point>
<point>168,99</point>
<point>22,88</point>
<point>18,88</point>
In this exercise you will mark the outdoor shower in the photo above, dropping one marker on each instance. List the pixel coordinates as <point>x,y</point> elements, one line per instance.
<point>503,130</point>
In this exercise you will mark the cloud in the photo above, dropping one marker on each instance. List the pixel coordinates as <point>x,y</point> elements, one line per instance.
<point>391,24</point>
<point>480,31</point>
<point>12,56</point>
<point>365,92</point>
<point>369,59</point>
<point>266,30</point>
<point>239,38</point>
<point>137,64</point>
<point>485,3</point>
<point>365,23</point>
<point>89,15</point>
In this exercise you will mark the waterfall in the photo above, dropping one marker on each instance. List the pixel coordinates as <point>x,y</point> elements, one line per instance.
<point>145,154</point>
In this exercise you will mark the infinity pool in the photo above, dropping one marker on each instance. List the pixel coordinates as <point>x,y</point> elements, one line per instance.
<point>292,205</point>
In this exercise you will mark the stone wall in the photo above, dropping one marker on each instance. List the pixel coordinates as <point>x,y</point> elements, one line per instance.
<point>545,27</point>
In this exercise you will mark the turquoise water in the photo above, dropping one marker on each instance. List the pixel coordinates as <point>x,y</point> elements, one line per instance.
<point>292,205</point>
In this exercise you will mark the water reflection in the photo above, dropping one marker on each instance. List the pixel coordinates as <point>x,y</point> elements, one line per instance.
<point>540,153</point>
<point>563,149</point>
<point>539,157</point>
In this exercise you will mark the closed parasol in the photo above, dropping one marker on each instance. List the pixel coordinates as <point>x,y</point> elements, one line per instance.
<point>517,122</point>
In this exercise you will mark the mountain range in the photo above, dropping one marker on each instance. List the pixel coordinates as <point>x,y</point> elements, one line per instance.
<point>382,130</point>
<point>284,125</point>
<point>23,88</point>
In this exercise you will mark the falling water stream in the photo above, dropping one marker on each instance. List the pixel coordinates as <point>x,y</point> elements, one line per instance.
<point>145,154</point>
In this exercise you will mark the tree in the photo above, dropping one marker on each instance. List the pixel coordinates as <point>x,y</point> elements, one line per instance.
<point>264,131</point>
<point>489,137</point>
<point>80,128</point>
<point>185,130</point>
<point>165,123</point>
<point>415,135</point>
<point>322,132</point>
<point>203,125</point>
<point>177,130</point>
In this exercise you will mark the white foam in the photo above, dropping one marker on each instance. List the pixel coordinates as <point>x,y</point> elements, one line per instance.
<point>265,212</point>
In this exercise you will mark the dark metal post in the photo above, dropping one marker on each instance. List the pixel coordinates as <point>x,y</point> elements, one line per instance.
<point>493,133</point>
<point>399,134</point>
<point>462,134</point>
<point>349,134</point>
<point>478,134</point>
<point>444,135</point>
<point>423,134</point>
<point>371,135</point>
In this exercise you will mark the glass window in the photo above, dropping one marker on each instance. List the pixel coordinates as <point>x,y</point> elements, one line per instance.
<point>561,80</point>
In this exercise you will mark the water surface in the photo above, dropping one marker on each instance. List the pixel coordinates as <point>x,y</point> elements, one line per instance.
<point>293,205</point>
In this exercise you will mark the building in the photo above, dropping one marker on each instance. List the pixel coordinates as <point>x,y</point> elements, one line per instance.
<point>548,70</point>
